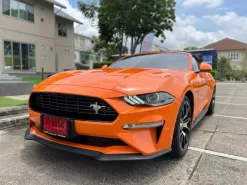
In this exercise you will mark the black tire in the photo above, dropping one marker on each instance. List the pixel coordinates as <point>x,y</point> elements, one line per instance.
<point>179,148</point>
<point>212,104</point>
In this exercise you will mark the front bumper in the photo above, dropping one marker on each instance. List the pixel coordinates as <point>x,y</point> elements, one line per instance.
<point>139,142</point>
<point>94,154</point>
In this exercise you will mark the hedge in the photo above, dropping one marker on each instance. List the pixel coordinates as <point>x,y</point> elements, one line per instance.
<point>213,73</point>
<point>98,65</point>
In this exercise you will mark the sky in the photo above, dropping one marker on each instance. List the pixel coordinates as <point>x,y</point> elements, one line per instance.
<point>198,22</point>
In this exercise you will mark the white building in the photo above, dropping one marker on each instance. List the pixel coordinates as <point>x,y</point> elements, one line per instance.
<point>83,49</point>
<point>235,50</point>
<point>34,36</point>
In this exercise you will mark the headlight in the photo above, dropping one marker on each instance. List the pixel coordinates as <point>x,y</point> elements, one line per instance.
<point>153,99</point>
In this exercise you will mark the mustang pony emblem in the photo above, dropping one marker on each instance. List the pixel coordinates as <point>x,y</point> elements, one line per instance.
<point>96,107</point>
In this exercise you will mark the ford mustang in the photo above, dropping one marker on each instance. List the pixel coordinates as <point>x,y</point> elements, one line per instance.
<point>140,107</point>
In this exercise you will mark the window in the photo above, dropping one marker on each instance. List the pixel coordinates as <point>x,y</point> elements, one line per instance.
<point>18,10</point>
<point>6,7</point>
<point>14,8</point>
<point>233,55</point>
<point>30,13</point>
<point>158,61</point>
<point>16,56</point>
<point>22,11</point>
<point>7,55</point>
<point>31,57</point>
<point>19,56</point>
<point>195,65</point>
<point>24,56</point>
<point>62,30</point>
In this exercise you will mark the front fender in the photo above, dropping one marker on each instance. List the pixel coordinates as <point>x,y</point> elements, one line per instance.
<point>177,87</point>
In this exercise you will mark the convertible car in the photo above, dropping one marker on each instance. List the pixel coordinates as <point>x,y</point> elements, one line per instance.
<point>140,107</point>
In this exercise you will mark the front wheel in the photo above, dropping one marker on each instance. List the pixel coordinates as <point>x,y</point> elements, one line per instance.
<point>181,136</point>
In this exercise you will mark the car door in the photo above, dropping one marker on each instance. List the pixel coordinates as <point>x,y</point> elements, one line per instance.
<point>199,84</point>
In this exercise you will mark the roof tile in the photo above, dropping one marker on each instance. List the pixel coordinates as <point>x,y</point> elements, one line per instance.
<point>227,44</point>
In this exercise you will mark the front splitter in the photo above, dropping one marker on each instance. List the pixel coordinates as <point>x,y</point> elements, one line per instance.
<point>94,154</point>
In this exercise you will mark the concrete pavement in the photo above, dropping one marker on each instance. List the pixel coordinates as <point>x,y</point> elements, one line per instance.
<point>217,155</point>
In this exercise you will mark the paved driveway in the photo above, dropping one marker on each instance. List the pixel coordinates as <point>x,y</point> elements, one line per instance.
<point>217,155</point>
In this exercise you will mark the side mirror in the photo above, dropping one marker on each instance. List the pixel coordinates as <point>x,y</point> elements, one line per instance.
<point>204,67</point>
<point>104,66</point>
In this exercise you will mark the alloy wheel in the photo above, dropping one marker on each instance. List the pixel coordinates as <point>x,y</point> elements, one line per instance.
<point>185,120</point>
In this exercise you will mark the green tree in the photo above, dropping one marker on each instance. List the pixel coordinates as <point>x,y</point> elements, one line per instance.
<point>243,65</point>
<point>108,48</point>
<point>134,19</point>
<point>223,66</point>
<point>191,48</point>
<point>110,21</point>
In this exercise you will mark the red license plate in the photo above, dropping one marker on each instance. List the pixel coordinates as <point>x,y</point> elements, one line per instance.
<point>55,126</point>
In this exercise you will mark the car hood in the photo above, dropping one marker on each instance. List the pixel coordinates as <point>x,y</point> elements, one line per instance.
<point>127,81</point>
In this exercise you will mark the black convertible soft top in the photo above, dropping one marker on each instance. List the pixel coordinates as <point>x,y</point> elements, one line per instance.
<point>198,57</point>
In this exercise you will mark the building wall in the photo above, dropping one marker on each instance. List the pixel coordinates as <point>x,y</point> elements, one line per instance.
<point>83,47</point>
<point>45,58</point>
<point>43,33</point>
<point>83,43</point>
<point>65,41</point>
<point>40,33</point>
<point>235,61</point>
<point>77,57</point>
<point>42,10</point>
<point>65,46</point>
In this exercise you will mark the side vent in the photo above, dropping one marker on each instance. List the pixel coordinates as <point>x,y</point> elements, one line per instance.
<point>158,133</point>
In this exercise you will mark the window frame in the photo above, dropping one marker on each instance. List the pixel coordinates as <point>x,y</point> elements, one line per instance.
<point>142,55</point>
<point>12,51</point>
<point>198,64</point>
<point>18,17</point>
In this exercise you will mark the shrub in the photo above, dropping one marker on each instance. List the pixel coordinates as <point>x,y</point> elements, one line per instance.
<point>80,66</point>
<point>213,73</point>
<point>98,65</point>
<point>229,75</point>
<point>237,75</point>
<point>245,75</point>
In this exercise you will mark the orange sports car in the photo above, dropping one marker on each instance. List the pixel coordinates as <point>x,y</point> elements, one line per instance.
<point>140,107</point>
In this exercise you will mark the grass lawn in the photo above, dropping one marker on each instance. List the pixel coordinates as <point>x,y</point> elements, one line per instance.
<point>7,102</point>
<point>34,80</point>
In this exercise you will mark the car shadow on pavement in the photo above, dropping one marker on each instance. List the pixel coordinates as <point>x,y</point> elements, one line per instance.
<point>74,168</point>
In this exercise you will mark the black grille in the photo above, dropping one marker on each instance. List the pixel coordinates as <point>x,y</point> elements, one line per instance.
<point>72,106</point>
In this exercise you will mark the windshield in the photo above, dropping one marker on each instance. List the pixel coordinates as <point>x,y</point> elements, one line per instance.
<point>160,61</point>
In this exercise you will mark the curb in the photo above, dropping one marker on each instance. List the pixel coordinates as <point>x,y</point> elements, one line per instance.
<point>13,121</point>
<point>13,110</point>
